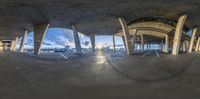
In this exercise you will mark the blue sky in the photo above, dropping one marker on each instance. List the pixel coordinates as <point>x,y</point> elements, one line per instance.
<point>60,37</point>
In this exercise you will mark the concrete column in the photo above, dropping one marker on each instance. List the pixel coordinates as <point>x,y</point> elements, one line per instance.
<point>142,42</point>
<point>76,39</point>
<point>123,39</point>
<point>197,45</point>
<point>166,44</point>
<point>187,43</point>
<point>92,40</point>
<point>161,46</point>
<point>1,46</point>
<point>134,39</point>
<point>184,46</point>
<point>15,43</point>
<point>198,48</point>
<point>127,37</point>
<point>21,48</point>
<point>11,47</point>
<point>194,31</point>
<point>114,48</point>
<point>149,46</point>
<point>181,46</point>
<point>39,33</point>
<point>178,33</point>
<point>136,46</point>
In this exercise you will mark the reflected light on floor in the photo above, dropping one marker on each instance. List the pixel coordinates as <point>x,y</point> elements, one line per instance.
<point>100,59</point>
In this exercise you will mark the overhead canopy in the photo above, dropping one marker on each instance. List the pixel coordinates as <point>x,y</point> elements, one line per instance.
<point>89,16</point>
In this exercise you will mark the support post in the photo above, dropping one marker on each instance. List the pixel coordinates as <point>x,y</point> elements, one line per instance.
<point>184,46</point>
<point>123,39</point>
<point>11,47</point>
<point>134,38</point>
<point>149,46</point>
<point>39,33</point>
<point>127,37</point>
<point>197,45</point>
<point>161,46</point>
<point>166,43</point>
<point>92,40</point>
<point>142,42</point>
<point>21,48</point>
<point>76,40</point>
<point>187,43</point>
<point>114,48</point>
<point>199,48</point>
<point>178,33</point>
<point>194,31</point>
<point>136,47</point>
<point>15,43</point>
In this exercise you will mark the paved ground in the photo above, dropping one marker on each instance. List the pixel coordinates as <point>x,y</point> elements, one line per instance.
<point>99,76</point>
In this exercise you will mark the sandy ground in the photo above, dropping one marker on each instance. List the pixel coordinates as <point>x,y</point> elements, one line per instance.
<point>99,76</point>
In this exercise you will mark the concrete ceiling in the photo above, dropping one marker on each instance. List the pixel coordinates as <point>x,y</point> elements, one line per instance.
<point>90,16</point>
<point>153,29</point>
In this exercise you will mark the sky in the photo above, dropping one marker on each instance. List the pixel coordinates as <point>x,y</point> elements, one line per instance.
<point>61,37</point>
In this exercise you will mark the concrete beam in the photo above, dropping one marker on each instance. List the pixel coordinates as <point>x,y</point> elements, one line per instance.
<point>178,33</point>
<point>92,40</point>
<point>21,48</point>
<point>76,40</point>
<point>114,48</point>
<point>15,43</point>
<point>127,37</point>
<point>197,45</point>
<point>194,31</point>
<point>145,32</point>
<point>39,33</point>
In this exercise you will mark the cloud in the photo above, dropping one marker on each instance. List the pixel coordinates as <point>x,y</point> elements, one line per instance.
<point>86,43</point>
<point>59,36</point>
<point>45,43</point>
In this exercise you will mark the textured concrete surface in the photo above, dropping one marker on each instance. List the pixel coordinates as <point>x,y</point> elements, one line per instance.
<point>99,76</point>
<point>90,16</point>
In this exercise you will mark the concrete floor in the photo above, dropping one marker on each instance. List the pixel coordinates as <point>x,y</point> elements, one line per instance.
<point>99,76</point>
